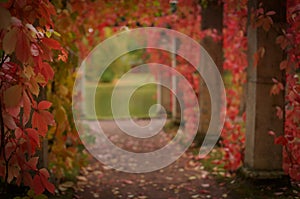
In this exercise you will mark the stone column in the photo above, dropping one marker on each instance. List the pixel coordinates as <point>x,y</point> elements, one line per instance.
<point>263,159</point>
<point>212,18</point>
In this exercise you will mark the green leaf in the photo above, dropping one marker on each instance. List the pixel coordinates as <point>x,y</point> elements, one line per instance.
<point>57,34</point>
<point>48,34</point>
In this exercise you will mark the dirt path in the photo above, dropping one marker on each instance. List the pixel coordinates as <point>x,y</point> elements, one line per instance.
<point>185,178</point>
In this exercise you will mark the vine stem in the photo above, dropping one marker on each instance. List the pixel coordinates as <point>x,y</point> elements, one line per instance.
<point>2,131</point>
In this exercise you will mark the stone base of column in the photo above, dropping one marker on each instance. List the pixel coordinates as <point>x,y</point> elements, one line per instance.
<point>262,174</point>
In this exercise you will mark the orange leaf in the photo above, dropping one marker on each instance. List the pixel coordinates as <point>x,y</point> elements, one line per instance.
<point>33,86</point>
<point>10,41</point>
<point>4,18</point>
<point>44,105</point>
<point>39,123</point>
<point>12,96</point>
<point>51,43</point>
<point>283,64</point>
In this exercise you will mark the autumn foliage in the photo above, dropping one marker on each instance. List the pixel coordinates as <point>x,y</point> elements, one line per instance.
<point>34,68</point>
<point>26,55</point>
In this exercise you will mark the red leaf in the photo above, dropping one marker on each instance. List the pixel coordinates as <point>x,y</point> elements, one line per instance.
<point>51,43</point>
<point>44,105</point>
<point>23,51</point>
<point>44,174</point>
<point>34,137</point>
<point>33,162</point>
<point>281,140</point>
<point>9,121</point>
<point>39,123</point>
<point>47,71</point>
<point>27,179</point>
<point>18,133</point>
<point>27,107</point>
<point>48,117</point>
<point>41,120</point>
<point>50,187</point>
<point>37,185</point>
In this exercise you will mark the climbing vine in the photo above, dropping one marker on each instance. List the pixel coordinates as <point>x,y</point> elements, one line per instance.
<point>235,63</point>
<point>26,51</point>
<point>289,41</point>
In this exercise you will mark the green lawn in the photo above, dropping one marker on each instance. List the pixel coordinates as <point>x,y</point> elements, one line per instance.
<point>140,102</point>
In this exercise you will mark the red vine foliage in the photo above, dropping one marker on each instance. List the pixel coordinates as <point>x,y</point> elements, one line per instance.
<point>107,17</point>
<point>235,46</point>
<point>290,42</point>
<point>26,53</point>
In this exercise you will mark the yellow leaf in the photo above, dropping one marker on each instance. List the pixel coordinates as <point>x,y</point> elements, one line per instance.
<point>28,72</point>
<point>34,87</point>
<point>40,79</point>
<point>60,115</point>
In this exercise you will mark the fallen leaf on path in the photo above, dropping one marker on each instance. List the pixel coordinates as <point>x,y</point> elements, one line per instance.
<point>205,185</point>
<point>224,195</point>
<point>64,186</point>
<point>278,193</point>
<point>196,196</point>
<point>192,178</point>
<point>81,178</point>
<point>127,181</point>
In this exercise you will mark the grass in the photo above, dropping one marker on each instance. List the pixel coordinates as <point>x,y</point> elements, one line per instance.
<point>140,102</point>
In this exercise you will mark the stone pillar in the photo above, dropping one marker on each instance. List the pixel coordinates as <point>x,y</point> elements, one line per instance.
<point>263,159</point>
<point>212,18</point>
